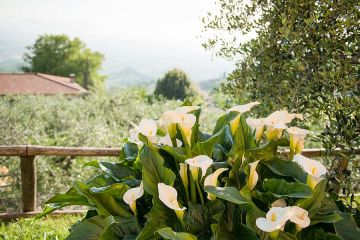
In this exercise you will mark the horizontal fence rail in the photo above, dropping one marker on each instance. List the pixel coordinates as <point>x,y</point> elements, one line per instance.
<point>27,154</point>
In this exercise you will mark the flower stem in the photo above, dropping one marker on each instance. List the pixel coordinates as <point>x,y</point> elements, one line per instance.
<point>180,217</point>
<point>193,190</point>
<point>200,192</point>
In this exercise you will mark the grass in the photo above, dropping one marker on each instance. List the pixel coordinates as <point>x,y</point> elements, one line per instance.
<point>49,228</point>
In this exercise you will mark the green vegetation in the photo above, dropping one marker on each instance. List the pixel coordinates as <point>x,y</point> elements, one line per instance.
<point>60,55</point>
<point>174,85</point>
<point>98,119</point>
<point>49,228</point>
<point>304,57</point>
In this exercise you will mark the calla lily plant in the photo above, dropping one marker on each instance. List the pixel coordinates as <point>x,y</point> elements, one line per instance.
<point>173,181</point>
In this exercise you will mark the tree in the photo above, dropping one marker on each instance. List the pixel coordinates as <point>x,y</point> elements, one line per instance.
<point>174,85</point>
<point>305,56</point>
<point>60,55</point>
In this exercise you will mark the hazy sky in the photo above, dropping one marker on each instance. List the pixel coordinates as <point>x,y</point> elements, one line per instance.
<point>167,30</point>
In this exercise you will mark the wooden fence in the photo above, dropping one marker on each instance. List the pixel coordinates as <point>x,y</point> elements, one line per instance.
<point>27,156</point>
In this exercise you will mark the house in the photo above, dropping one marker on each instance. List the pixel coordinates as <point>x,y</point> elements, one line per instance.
<point>38,83</point>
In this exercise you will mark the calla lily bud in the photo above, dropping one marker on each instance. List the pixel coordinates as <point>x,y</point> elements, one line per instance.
<point>132,194</point>
<point>234,124</point>
<point>275,220</point>
<point>253,176</point>
<point>256,125</point>
<point>299,216</point>
<point>202,162</point>
<point>184,174</point>
<point>297,139</point>
<point>168,195</point>
<point>314,169</point>
<point>212,180</point>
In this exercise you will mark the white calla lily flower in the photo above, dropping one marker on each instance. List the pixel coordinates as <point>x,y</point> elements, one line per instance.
<point>168,195</point>
<point>314,169</point>
<point>186,122</point>
<point>257,125</point>
<point>202,162</point>
<point>132,195</point>
<point>167,122</point>
<point>234,124</point>
<point>276,122</point>
<point>146,127</point>
<point>166,140</point>
<point>253,176</point>
<point>275,220</point>
<point>299,216</point>
<point>297,138</point>
<point>212,180</point>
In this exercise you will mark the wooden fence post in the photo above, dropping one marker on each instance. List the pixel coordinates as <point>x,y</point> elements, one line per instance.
<point>28,183</point>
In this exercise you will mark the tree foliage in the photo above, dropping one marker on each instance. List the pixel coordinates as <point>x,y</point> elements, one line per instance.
<point>60,55</point>
<point>305,57</point>
<point>174,85</point>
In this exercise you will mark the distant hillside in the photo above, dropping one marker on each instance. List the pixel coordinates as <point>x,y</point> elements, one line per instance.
<point>129,77</point>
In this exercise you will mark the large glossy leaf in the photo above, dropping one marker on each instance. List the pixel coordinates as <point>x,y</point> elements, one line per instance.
<point>195,218</point>
<point>281,188</point>
<point>61,200</point>
<point>106,199</point>
<point>207,147</point>
<point>230,194</point>
<point>178,153</point>
<point>119,227</point>
<point>168,233</point>
<point>159,217</point>
<point>129,153</point>
<point>89,229</point>
<point>313,204</point>
<point>286,168</point>
<point>347,228</point>
<point>326,218</point>
<point>153,171</point>
<point>317,233</point>
<point>115,170</point>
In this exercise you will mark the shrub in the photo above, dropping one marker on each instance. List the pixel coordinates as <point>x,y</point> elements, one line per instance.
<point>173,181</point>
<point>174,85</point>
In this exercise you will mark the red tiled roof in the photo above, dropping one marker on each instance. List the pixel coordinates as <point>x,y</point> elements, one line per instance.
<point>37,83</point>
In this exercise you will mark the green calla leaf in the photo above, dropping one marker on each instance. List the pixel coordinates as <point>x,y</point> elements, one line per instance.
<point>327,218</point>
<point>106,199</point>
<point>206,147</point>
<point>313,204</point>
<point>230,194</point>
<point>286,168</point>
<point>89,229</point>
<point>347,227</point>
<point>115,170</point>
<point>153,171</point>
<point>281,188</point>
<point>168,233</point>
<point>159,217</point>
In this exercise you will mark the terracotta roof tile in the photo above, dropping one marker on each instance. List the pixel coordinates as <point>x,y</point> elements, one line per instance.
<point>37,83</point>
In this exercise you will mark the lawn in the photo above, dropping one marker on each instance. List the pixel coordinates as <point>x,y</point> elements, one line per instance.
<point>49,228</point>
